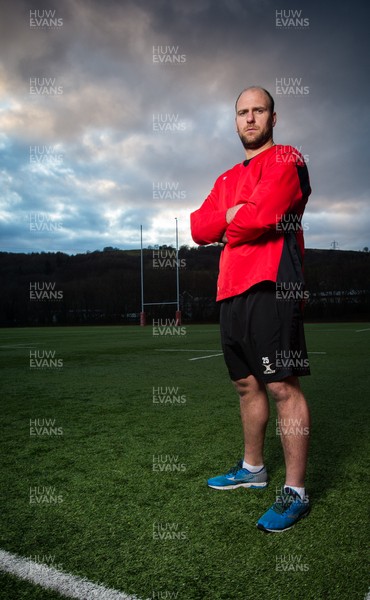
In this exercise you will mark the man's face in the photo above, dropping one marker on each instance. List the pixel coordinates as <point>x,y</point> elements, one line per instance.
<point>254,121</point>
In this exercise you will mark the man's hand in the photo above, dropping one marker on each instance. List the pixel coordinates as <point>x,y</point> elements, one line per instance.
<point>231,212</point>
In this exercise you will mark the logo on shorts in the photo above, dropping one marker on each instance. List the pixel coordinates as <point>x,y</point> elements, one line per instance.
<point>267,365</point>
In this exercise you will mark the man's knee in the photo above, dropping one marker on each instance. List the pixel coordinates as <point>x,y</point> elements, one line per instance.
<point>283,390</point>
<point>247,385</point>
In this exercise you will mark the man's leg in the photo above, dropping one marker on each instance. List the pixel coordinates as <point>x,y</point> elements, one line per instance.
<point>254,408</point>
<point>254,411</point>
<point>294,418</point>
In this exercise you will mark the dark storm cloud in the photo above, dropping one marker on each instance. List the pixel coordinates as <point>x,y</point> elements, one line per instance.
<point>107,157</point>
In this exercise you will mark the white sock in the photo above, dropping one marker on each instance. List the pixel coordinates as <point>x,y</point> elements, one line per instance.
<point>252,468</point>
<point>300,490</point>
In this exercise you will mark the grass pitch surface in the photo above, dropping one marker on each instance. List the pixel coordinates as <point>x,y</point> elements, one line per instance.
<point>110,433</point>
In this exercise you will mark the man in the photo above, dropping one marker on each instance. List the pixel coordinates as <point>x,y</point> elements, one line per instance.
<point>255,209</point>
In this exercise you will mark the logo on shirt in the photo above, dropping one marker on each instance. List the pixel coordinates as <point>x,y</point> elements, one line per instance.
<point>267,366</point>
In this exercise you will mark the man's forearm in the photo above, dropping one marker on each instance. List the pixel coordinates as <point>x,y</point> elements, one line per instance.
<point>207,226</point>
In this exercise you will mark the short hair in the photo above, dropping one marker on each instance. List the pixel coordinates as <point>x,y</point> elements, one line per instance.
<point>257,87</point>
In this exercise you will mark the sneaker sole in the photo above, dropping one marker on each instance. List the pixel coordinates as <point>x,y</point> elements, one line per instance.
<point>266,530</point>
<point>238,485</point>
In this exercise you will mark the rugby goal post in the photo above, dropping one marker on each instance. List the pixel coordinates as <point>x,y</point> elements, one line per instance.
<point>177,301</point>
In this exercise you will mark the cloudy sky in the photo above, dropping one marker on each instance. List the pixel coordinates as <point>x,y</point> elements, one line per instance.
<point>118,114</point>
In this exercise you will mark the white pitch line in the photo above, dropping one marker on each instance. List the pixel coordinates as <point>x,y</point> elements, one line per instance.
<point>65,584</point>
<point>221,353</point>
<point>181,350</point>
<point>20,346</point>
<point>209,356</point>
<point>359,330</point>
<point>201,357</point>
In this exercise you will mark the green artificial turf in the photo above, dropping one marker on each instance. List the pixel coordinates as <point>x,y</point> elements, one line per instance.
<point>114,519</point>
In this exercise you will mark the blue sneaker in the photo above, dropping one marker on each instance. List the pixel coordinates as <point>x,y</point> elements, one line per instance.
<point>288,509</point>
<point>239,477</point>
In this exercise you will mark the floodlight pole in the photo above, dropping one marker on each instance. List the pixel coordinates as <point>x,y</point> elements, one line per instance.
<point>178,312</point>
<point>177,267</point>
<point>142,314</point>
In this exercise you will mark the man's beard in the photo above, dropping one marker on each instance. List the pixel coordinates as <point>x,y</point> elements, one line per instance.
<point>256,142</point>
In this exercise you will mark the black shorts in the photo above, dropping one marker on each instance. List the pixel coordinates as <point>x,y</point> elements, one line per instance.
<point>263,336</point>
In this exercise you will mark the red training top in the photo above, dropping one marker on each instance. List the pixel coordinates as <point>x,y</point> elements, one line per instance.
<point>265,238</point>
